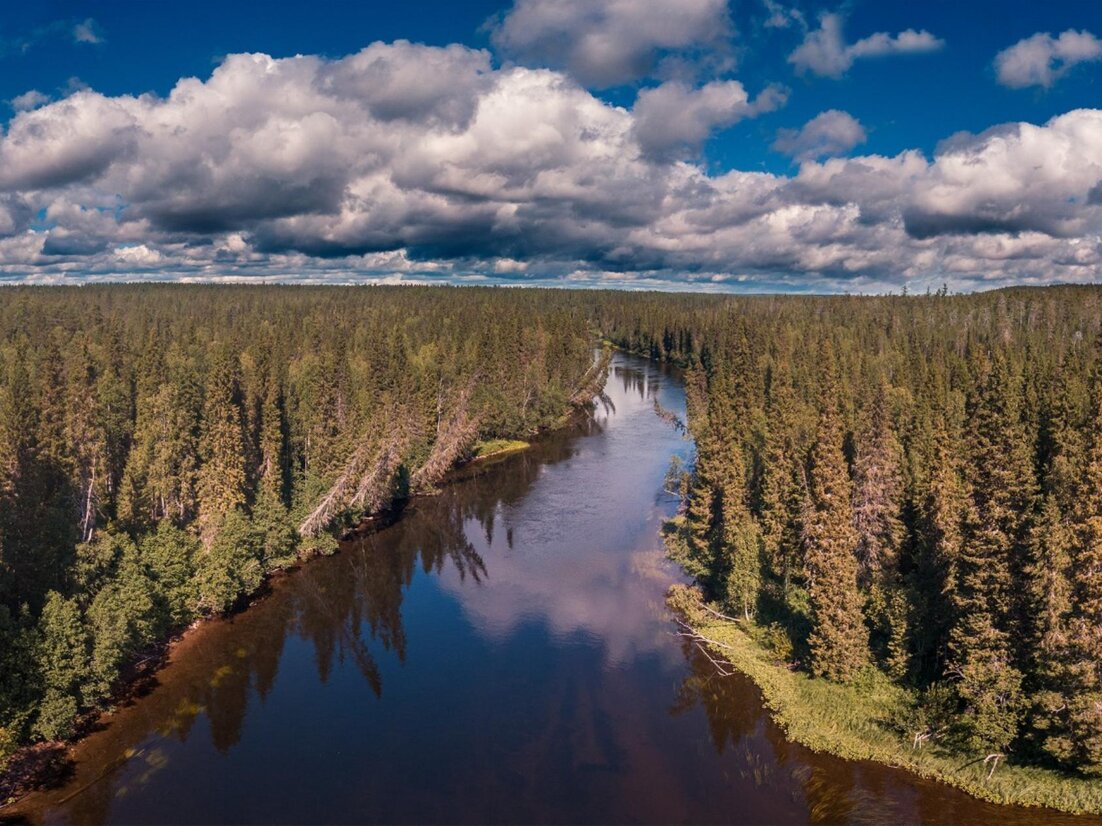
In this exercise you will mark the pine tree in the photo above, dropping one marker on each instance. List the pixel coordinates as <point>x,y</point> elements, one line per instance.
<point>702,509</point>
<point>839,638</point>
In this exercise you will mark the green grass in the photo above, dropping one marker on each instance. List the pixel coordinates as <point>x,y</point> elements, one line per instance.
<point>855,722</point>
<point>496,447</point>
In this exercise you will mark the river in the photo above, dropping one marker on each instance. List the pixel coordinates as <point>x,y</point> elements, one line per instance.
<point>499,654</point>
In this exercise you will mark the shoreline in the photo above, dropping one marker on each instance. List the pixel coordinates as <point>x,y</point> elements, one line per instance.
<point>832,718</point>
<point>31,767</point>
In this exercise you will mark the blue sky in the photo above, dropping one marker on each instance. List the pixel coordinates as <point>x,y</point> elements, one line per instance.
<point>676,157</point>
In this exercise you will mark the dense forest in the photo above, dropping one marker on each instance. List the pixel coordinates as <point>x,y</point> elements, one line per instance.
<point>905,485</point>
<point>163,448</point>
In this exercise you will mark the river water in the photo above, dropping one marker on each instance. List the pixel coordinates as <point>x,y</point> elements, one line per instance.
<point>499,654</point>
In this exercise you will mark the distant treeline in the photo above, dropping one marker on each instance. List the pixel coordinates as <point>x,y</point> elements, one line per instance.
<point>162,448</point>
<point>906,484</point>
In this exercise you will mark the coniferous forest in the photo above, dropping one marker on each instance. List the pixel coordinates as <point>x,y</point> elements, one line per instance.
<point>906,488</point>
<point>903,488</point>
<point>163,448</point>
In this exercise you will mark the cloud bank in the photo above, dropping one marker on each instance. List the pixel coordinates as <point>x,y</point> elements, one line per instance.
<point>424,162</point>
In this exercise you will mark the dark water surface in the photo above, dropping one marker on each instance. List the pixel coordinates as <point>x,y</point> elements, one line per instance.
<point>500,654</point>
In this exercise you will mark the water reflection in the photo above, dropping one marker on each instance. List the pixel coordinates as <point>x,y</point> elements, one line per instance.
<point>500,654</point>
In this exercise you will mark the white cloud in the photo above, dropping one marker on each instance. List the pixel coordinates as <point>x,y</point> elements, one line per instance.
<point>674,116</point>
<point>832,132</point>
<point>31,99</point>
<point>825,52</point>
<point>138,256</point>
<point>782,16</point>
<point>87,31</point>
<point>606,43</point>
<point>1042,59</point>
<point>312,169</point>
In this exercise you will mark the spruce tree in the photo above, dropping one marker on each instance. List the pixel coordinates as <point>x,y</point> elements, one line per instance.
<point>1051,545</point>
<point>839,638</point>
<point>63,657</point>
<point>221,477</point>
<point>1084,696</point>
<point>269,512</point>
<point>783,488</point>
<point>982,649</point>
<point>877,519</point>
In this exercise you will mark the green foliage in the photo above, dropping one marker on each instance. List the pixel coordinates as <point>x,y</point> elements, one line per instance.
<point>926,477</point>
<point>231,568</point>
<point>839,638</point>
<point>161,447</point>
<point>122,619</point>
<point>63,659</point>
<point>169,555</point>
<point>873,718</point>
<point>908,483</point>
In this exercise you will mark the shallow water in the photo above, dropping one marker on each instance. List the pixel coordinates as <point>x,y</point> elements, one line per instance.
<point>500,654</point>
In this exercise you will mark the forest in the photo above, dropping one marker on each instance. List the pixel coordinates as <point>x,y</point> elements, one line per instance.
<point>904,488</point>
<point>164,448</point>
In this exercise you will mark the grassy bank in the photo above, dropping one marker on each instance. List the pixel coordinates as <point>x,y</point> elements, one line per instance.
<point>497,447</point>
<point>856,721</point>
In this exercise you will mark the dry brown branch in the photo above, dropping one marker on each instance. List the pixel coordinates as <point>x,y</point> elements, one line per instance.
<point>363,482</point>
<point>454,434</point>
<point>593,380</point>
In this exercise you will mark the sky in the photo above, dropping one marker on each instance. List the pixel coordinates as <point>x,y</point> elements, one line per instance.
<point>747,146</point>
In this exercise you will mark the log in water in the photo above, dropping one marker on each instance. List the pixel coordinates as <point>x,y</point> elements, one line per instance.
<point>500,654</point>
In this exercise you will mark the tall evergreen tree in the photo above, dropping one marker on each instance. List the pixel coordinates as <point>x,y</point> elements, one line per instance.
<point>982,649</point>
<point>1084,696</point>
<point>877,519</point>
<point>783,487</point>
<point>839,639</point>
<point>221,479</point>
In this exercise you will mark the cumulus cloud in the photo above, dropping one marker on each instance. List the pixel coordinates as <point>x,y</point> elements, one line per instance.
<point>415,162</point>
<point>832,132</point>
<point>674,116</point>
<point>31,99</point>
<point>825,52</point>
<point>606,43</point>
<point>1042,59</point>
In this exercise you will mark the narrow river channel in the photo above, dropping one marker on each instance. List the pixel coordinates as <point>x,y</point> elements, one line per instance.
<point>500,654</point>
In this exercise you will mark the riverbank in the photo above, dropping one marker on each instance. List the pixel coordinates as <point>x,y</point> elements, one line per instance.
<point>855,721</point>
<point>32,766</point>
